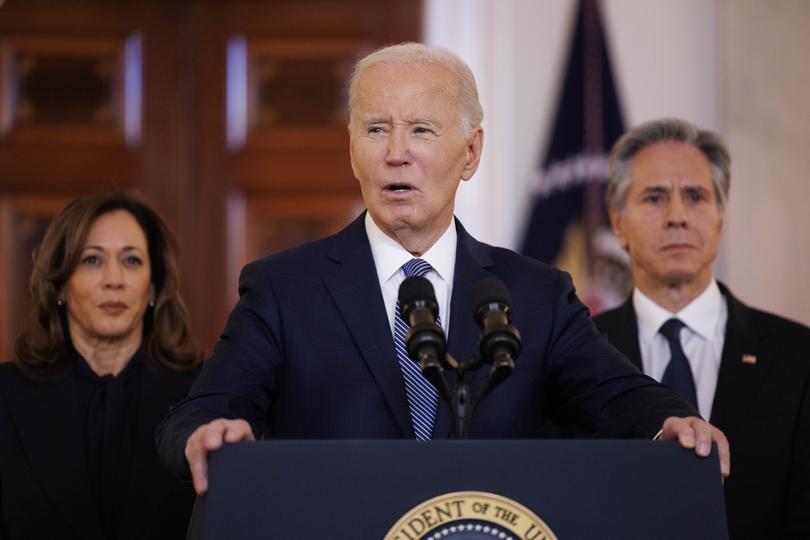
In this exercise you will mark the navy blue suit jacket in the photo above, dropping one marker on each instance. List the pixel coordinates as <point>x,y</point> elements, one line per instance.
<point>308,353</point>
<point>764,410</point>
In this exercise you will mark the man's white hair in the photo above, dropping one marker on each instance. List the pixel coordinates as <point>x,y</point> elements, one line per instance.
<point>421,55</point>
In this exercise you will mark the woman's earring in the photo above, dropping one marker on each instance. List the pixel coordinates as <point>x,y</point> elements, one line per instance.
<point>152,302</point>
<point>60,302</point>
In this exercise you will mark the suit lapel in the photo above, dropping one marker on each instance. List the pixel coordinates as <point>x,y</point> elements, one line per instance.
<point>354,287</point>
<point>737,381</point>
<point>149,484</point>
<point>472,263</point>
<point>622,332</point>
<point>47,419</point>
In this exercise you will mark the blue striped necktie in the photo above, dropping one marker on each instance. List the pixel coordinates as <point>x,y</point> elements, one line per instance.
<point>678,374</point>
<point>422,395</point>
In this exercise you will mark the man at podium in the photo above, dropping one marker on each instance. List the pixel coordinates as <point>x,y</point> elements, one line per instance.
<point>313,349</point>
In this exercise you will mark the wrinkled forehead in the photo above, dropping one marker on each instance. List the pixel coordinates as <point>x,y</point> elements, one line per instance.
<point>670,163</point>
<point>406,85</point>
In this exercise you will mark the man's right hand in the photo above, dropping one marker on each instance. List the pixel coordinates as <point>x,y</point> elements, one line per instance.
<point>207,438</point>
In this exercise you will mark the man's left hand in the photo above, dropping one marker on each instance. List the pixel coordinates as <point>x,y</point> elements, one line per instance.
<point>694,432</point>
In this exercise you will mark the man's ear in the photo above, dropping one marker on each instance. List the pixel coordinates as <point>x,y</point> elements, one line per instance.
<point>351,151</point>
<point>475,145</point>
<point>616,223</point>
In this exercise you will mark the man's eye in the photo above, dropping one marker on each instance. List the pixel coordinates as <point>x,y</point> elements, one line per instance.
<point>695,196</point>
<point>375,130</point>
<point>655,198</point>
<point>422,130</point>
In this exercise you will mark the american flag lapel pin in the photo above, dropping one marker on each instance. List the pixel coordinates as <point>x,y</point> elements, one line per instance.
<point>750,359</point>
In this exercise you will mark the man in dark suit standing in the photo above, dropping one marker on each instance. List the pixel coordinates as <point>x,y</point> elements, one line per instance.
<point>745,370</point>
<point>309,351</point>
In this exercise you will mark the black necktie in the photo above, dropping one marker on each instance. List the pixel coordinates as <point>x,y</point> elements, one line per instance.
<point>678,374</point>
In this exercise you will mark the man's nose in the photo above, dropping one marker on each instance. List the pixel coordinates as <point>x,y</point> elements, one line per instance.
<point>398,149</point>
<point>676,212</point>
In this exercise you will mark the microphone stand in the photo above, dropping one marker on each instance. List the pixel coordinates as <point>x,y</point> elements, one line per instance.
<point>459,398</point>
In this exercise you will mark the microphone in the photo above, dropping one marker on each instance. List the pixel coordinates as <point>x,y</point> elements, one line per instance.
<point>425,340</point>
<point>500,341</point>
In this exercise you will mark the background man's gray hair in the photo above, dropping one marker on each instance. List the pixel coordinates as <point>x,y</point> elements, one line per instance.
<point>420,54</point>
<point>656,131</point>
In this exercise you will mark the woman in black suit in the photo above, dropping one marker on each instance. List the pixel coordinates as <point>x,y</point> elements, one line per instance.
<point>111,351</point>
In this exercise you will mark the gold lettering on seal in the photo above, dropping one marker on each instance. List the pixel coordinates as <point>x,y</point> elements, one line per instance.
<point>454,508</point>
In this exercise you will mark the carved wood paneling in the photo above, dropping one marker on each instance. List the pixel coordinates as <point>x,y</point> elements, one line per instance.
<point>262,225</point>
<point>69,90</point>
<point>148,103</point>
<point>69,108</point>
<point>23,221</point>
<point>286,154</point>
<point>298,84</point>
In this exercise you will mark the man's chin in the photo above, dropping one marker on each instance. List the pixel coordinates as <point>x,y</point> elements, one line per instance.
<point>398,218</point>
<point>680,277</point>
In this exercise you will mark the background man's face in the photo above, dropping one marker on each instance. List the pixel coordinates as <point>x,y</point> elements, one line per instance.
<point>671,224</point>
<point>407,148</point>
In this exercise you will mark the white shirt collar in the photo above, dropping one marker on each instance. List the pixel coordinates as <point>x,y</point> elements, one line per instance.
<point>390,255</point>
<point>700,315</point>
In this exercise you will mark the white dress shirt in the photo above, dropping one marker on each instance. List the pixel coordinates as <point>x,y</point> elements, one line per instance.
<point>389,256</point>
<point>702,339</point>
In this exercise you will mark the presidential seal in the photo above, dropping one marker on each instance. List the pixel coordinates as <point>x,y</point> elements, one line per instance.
<point>470,515</point>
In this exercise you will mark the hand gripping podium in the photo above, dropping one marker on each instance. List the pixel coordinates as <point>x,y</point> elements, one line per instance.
<point>460,489</point>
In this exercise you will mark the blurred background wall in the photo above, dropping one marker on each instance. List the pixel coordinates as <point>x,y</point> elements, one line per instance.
<point>228,117</point>
<point>738,67</point>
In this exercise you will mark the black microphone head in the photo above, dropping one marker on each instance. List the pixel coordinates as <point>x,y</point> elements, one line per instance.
<point>416,288</point>
<point>490,291</point>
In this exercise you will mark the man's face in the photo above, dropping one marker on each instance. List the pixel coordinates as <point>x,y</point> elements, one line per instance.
<point>408,150</point>
<point>671,224</point>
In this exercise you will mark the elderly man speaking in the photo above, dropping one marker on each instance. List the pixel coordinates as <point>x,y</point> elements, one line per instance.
<point>308,351</point>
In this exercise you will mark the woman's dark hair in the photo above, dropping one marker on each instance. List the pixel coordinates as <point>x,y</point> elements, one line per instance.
<point>43,353</point>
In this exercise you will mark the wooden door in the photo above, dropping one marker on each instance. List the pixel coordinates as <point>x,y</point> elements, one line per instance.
<point>227,117</point>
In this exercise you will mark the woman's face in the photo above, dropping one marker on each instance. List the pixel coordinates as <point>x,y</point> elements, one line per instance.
<point>108,292</point>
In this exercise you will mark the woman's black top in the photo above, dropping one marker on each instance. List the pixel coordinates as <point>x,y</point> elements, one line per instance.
<point>78,458</point>
<point>108,405</point>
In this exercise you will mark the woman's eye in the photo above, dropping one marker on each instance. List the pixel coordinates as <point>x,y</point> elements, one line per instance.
<point>133,261</point>
<point>90,259</point>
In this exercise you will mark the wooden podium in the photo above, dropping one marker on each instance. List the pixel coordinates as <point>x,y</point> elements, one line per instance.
<point>366,490</point>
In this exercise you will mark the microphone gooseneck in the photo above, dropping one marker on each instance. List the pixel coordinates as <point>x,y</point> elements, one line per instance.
<point>425,341</point>
<point>492,310</point>
<point>500,341</point>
